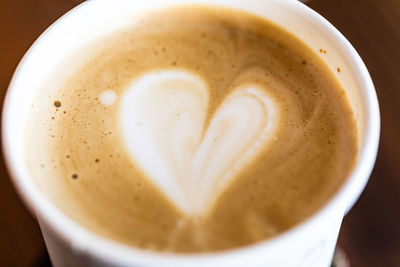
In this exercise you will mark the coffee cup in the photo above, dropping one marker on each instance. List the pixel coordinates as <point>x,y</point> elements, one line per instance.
<point>310,243</point>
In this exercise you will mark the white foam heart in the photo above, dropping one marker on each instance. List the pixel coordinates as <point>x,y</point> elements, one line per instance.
<point>163,122</point>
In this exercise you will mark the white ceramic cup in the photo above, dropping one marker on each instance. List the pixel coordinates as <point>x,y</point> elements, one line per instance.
<point>309,244</point>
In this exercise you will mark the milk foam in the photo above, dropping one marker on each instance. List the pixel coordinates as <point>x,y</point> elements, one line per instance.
<point>162,118</point>
<point>108,97</point>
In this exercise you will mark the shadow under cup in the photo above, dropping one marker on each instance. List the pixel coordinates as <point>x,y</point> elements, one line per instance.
<point>309,244</point>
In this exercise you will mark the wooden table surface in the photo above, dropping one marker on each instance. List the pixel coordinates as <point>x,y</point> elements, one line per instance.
<point>370,234</point>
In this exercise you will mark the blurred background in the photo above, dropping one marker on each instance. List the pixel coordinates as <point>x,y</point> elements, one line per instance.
<point>370,235</point>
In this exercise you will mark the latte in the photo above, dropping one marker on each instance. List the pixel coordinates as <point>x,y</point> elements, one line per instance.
<point>195,129</point>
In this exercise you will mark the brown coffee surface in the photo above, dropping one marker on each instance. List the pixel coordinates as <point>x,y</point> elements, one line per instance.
<point>76,155</point>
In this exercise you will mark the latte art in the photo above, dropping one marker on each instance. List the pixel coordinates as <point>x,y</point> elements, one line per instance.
<point>163,124</point>
<point>195,129</point>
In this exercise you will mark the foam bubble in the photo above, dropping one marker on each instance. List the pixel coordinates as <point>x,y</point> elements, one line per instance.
<point>108,97</point>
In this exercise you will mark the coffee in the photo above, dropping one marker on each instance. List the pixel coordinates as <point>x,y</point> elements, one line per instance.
<point>196,129</point>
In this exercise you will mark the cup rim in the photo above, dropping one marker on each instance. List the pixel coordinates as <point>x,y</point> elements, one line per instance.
<point>109,250</point>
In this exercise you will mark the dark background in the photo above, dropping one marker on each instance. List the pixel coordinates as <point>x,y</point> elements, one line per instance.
<point>370,234</point>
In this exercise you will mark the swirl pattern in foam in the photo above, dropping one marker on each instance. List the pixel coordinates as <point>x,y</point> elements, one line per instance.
<point>163,117</point>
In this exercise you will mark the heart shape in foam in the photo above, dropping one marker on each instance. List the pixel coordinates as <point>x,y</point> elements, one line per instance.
<point>163,116</point>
